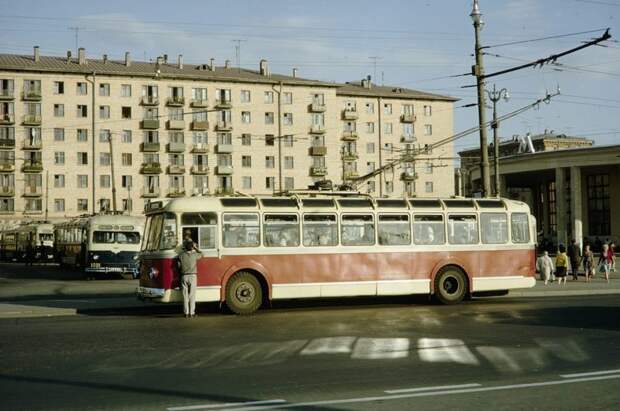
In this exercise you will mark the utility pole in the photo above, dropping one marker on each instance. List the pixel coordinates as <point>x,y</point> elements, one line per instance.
<point>77,36</point>
<point>478,71</point>
<point>495,96</point>
<point>92,137</point>
<point>47,191</point>
<point>112,169</point>
<point>279,92</point>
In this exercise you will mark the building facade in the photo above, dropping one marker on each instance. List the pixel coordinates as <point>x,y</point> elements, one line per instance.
<point>69,126</point>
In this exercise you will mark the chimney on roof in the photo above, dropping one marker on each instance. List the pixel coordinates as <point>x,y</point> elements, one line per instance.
<point>105,59</point>
<point>366,83</point>
<point>294,72</point>
<point>68,56</point>
<point>127,59</point>
<point>263,67</point>
<point>81,56</point>
<point>165,59</point>
<point>160,61</point>
<point>37,56</point>
<point>180,61</point>
<point>227,64</point>
<point>212,65</point>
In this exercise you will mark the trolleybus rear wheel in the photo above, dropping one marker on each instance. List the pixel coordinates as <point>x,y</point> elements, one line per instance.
<point>450,285</point>
<point>244,294</point>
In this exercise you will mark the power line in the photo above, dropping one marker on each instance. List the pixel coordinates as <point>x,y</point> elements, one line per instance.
<point>542,38</point>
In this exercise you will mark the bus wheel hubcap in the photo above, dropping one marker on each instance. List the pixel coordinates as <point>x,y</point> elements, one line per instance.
<point>245,293</point>
<point>450,285</point>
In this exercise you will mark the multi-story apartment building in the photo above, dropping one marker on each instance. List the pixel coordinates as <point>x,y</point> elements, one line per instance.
<point>165,129</point>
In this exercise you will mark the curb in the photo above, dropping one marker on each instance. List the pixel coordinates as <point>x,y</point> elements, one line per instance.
<point>561,293</point>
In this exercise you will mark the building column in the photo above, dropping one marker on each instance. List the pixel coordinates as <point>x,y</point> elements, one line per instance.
<point>503,189</point>
<point>576,204</point>
<point>560,205</point>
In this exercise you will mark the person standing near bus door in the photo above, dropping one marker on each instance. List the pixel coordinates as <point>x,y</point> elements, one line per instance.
<point>189,276</point>
<point>561,264</point>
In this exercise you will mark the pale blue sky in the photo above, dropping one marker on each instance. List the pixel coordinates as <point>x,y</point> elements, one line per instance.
<point>417,42</point>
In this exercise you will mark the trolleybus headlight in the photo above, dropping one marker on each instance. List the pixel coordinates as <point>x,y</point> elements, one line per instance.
<point>135,257</point>
<point>95,257</point>
<point>153,273</point>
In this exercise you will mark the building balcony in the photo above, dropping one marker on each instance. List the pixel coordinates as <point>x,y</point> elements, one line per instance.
<point>223,191</point>
<point>317,108</point>
<point>350,156</point>
<point>223,104</point>
<point>318,171</point>
<point>224,148</point>
<point>33,191</point>
<point>200,191</point>
<point>150,192</point>
<point>349,135</point>
<point>224,170</point>
<point>32,145</point>
<point>7,119</point>
<point>175,147</point>
<point>223,126</point>
<point>349,175</point>
<point>408,139</point>
<point>200,148</point>
<point>150,168</point>
<point>348,114</point>
<point>32,95</point>
<point>408,176</point>
<point>176,169</point>
<point>408,118</point>
<point>7,94</point>
<point>32,120</point>
<point>7,143</point>
<point>200,125</point>
<point>149,147</point>
<point>149,124</point>
<point>175,124</point>
<point>7,167</point>
<point>317,129</point>
<point>150,101</point>
<point>199,169</point>
<point>318,150</point>
<point>177,101</point>
<point>176,192</point>
<point>199,103</point>
<point>32,167</point>
<point>8,191</point>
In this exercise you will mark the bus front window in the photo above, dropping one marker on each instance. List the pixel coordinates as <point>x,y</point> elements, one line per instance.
<point>168,232</point>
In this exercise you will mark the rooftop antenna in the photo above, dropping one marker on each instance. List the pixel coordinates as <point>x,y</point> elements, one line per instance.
<point>77,36</point>
<point>238,52</point>
<point>374,62</point>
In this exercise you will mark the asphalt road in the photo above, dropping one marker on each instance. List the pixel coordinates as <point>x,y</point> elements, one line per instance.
<point>558,353</point>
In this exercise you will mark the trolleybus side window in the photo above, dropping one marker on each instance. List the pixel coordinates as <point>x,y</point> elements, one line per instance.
<point>462,229</point>
<point>494,228</point>
<point>281,230</point>
<point>241,230</point>
<point>428,229</point>
<point>320,230</point>
<point>202,228</point>
<point>357,229</point>
<point>394,229</point>
<point>169,232</point>
<point>520,228</point>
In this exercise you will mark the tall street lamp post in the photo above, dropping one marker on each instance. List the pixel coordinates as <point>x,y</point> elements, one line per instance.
<point>478,71</point>
<point>495,96</point>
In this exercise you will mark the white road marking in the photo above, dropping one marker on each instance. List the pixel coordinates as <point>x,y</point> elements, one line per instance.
<point>427,394</point>
<point>445,350</point>
<point>440,387</point>
<point>586,374</point>
<point>224,405</point>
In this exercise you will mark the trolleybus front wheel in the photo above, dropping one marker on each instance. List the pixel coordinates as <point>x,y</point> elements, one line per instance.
<point>450,285</point>
<point>244,294</point>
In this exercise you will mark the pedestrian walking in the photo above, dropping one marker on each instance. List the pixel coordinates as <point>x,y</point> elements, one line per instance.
<point>561,264</point>
<point>188,258</point>
<point>612,250</point>
<point>574,254</point>
<point>588,262</point>
<point>604,261</point>
<point>544,265</point>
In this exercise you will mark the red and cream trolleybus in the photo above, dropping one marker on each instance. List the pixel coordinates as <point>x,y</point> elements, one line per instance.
<point>315,245</point>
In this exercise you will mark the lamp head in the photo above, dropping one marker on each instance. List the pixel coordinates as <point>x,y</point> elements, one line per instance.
<point>475,14</point>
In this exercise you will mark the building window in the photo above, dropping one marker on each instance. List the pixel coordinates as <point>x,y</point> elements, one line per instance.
<point>82,204</point>
<point>82,181</point>
<point>428,168</point>
<point>246,117</point>
<point>104,159</point>
<point>59,110</point>
<point>428,111</point>
<point>59,158</point>
<point>370,127</point>
<point>127,204</point>
<point>370,148</point>
<point>599,215</point>
<point>126,181</point>
<point>126,136</point>
<point>289,183</point>
<point>126,112</point>
<point>59,134</point>
<point>246,139</point>
<point>288,119</point>
<point>269,118</point>
<point>104,204</point>
<point>104,181</point>
<point>104,135</point>
<point>428,186</point>
<point>387,128</point>
<point>104,111</point>
<point>245,96</point>
<point>287,141</point>
<point>59,181</point>
<point>287,98</point>
<point>59,205</point>
<point>81,88</point>
<point>126,159</point>
<point>289,162</point>
<point>59,87</point>
<point>82,158</point>
<point>125,90</point>
<point>246,161</point>
<point>268,97</point>
<point>82,134</point>
<point>104,89</point>
<point>270,183</point>
<point>270,162</point>
<point>246,183</point>
<point>428,130</point>
<point>82,111</point>
<point>387,108</point>
<point>175,113</point>
<point>270,139</point>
